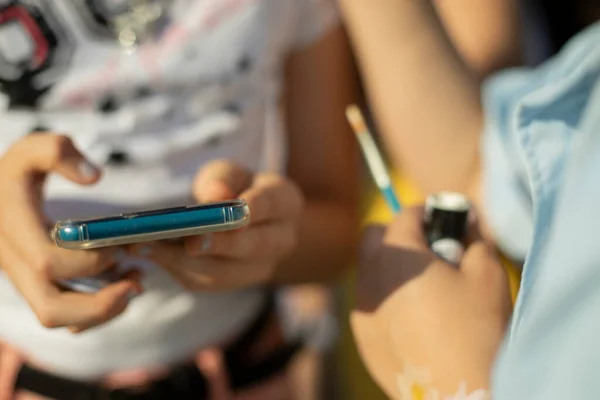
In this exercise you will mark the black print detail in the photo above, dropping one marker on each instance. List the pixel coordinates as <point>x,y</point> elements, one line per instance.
<point>244,64</point>
<point>214,141</point>
<point>233,108</point>
<point>38,129</point>
<point>104,12</point>
<point>108,105</point>
<point>143,92</point>
<point>34,50</point>
<point>117,158</point>
<point>99,16</point>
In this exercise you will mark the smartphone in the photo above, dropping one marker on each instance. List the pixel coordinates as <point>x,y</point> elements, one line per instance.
<point>145,226</point>
<point>164,224</point>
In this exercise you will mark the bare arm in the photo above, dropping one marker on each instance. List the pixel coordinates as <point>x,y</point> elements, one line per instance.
<point>486,33</point>
<point>323,158</point>
<point>425,97</point>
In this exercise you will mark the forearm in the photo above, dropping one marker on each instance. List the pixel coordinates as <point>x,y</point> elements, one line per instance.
<point>425,99</point>
<point>323,159</point>
<point>487,34</point>
<point>327,242</point>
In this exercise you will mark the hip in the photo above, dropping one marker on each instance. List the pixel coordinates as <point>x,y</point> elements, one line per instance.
<point>161,327</point>
<point>257,358</point>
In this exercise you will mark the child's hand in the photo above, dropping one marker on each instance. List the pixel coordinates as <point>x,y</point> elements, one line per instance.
<point>241,258</point>
<point>420,319</point>
<point>27,254</point>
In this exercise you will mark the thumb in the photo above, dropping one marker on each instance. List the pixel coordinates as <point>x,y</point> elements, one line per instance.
<point>220,180</point>
<point>42,154</point>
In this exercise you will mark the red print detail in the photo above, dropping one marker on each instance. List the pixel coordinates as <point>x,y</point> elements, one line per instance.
<point>223,9</point>
<point>21,15</point>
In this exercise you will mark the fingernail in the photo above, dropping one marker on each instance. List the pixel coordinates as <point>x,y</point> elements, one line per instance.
<point>87,170</point>
<point>144,251</point>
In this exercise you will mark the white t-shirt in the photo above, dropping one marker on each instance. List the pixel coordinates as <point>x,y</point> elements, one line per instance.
<point>206,87</point>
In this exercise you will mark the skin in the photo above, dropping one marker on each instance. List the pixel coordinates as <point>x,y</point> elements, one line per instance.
<point>287,232</point>
<point>304,226</point>
<point>487,35</point>
<point>422,63</point>
<point>413,309</point>
<point>27,254</point>
<point>396,43</point>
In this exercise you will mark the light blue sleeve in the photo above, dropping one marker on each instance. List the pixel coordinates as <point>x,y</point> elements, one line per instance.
<point>517,102</point>
<point>542,172</point>
<point>507,201</point>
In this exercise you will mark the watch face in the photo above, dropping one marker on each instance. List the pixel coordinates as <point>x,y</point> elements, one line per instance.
<point>34,49</point>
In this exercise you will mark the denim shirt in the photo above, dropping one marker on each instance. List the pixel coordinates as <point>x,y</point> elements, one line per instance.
<point>542,191</point>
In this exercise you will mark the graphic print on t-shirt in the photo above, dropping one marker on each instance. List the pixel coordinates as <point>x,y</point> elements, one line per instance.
<point>175,94</point>
<point>106,18</point>
<point>102,13</point>
<point>209,87</point>
<point>33,48</point>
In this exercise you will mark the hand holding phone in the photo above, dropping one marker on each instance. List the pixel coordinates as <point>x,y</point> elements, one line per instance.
<point>139,227</point>
<point>239,258</point>
<point>27,254</point>
<point>145,226</point>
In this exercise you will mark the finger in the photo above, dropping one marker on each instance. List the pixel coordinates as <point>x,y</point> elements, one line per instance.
<point>273,197</point>
<point>10,363</point>
<point>211,364</point>
<point>483,268</point>
<point>45,153</point>
<point>481,261</point>
<point>55,263</point>
<point>85,311</point>
<point>406,230</point>
<point>165,254</point>
<point>58,264</point>
<point>262,241</point>
<point>21,215</point>
<point>220,180</point>
<point>55,308</point>
<point>474,233</point>
<point>210,272</point>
